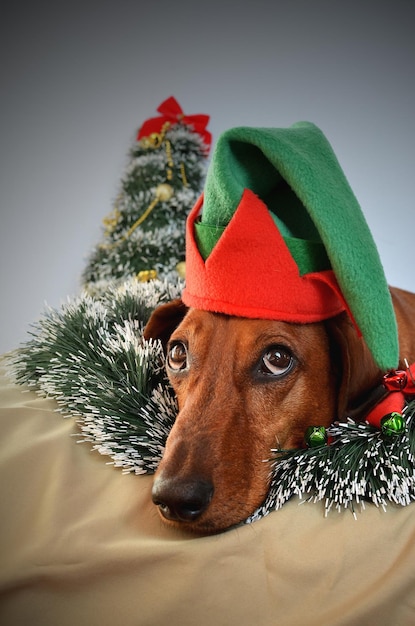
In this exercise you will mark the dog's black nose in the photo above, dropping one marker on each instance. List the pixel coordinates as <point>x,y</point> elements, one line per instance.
<point>181,500</point>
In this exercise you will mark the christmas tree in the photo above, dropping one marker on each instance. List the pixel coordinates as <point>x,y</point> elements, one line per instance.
<point>144,234</point>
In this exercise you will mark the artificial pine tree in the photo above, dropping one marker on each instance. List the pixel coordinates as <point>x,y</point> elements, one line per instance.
<point>144,234</point>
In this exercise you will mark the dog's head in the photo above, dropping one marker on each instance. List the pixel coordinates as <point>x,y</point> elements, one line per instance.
<point>245,387</point>
<point>277,234</point>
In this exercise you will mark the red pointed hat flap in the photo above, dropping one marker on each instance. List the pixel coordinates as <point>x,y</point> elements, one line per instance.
<point>249,275</point>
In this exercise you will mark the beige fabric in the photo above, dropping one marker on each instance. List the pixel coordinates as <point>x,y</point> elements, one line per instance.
<point>82,545</point>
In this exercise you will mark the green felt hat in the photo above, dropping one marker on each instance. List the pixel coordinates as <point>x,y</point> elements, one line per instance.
<point>295,174</point>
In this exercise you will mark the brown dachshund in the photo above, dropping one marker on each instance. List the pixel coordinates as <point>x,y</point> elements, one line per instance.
<point>245,386</point>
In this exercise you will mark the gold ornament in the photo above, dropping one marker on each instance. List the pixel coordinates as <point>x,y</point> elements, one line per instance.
<point>154,140</point>
<point>145,143</point>
<point>181,269</point>
<point>164,192</point>
<point>110,221</point>
<point>146,275</point>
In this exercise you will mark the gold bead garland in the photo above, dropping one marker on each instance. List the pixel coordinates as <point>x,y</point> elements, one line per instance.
<point>163,193</point>
<point>169,174</point>
<point>183,174</point>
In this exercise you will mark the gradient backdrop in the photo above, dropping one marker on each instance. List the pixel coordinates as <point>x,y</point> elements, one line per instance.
<point>78,78</point>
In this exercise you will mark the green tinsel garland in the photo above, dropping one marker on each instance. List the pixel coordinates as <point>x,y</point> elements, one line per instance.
<point>361,464</point>
<point>90,357</point>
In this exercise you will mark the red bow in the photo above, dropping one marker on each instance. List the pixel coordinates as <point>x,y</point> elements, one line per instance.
<point>172,112</point>
<point>399,385</point>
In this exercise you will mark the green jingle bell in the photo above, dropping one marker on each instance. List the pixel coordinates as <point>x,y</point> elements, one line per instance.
<point>316,436</point>
<point>392,424</point>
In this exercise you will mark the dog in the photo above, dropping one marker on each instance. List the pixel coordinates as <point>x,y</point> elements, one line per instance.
<point>247,386</point>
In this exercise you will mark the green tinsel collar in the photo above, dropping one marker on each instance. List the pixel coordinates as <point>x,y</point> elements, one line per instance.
<point>90,356</point>
<point>362,463</point>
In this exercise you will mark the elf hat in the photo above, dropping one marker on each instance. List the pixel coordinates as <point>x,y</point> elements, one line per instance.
<point>279,235</point>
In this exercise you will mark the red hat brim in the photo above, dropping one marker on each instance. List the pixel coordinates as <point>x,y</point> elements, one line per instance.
<point>250,275</point>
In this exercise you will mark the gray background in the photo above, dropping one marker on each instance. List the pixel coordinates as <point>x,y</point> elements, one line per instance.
<point>78,79</point>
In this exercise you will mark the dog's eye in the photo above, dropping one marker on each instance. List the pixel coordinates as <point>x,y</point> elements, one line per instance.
<point>276,361</point>
<point>177,357</point>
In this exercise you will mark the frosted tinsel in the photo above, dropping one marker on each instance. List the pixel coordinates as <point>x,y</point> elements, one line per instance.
<point>90,357</point>
<point>361,464</point>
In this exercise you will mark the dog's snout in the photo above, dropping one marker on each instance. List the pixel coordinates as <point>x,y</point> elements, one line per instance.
<point>182,500</point>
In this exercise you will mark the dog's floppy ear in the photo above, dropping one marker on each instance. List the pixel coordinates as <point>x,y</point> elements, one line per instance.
<point>164,320</point>
<point>359,378</point>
